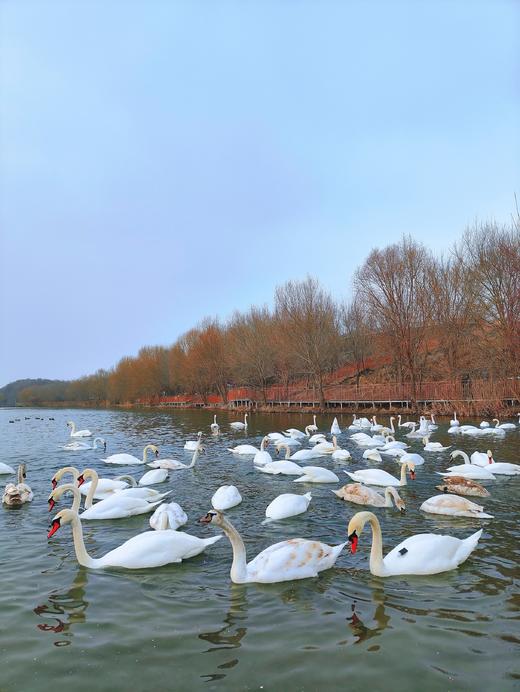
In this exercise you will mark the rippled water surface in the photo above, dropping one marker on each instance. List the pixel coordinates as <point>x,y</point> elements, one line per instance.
<point>187,626</point>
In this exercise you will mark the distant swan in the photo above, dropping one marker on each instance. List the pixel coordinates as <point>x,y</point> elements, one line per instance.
<point>130,459</point>
<point>238,425</point>
<point>77,433</point>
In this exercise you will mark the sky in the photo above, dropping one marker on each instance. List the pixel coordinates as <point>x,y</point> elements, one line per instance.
<point>165,161</point>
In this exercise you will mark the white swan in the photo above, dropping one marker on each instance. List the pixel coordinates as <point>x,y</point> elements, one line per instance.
<point>454,422</point>
<point>129,459</point>
<point>363,495</point>
<point>484,424</point>
<point>245,450</point>
<point>287,505</point>
<point>77,433</point>
<point>238,425</point>
<point>334,428</point>
<point>215,427</point>
<point>408,424</point>
<point>80,446</point>
<point>142,492</point>
<point>392,443</point>
<point>284,467</point>
<point>192,445</point>
<point>433,446</point>
<point>313,427</point>
<point>174,465</point>
<point>341,455</point>
<point>460,485</point>
<point>297,558</point>
<point>380,477</point>
<point>317,437</point>
<point>417,433</point>
<point>372,455</point>
<point>454,506</point>
<point>504,426</point>
<point>467,469</point>
<point>300,455</point>
<point>168,516</point>
<point>225,497</point>
<point>424,553</point>
<point>148,549</point>
<point>316,474</point>
<point>263,457</point>
<point>326,447</point>
<point>118,506</point>
<point>496,468</point>
<point>276,437</point>
<point>153,477</point>
<point>407,458</point>
<point>294,432</point>
<point>5,468</point>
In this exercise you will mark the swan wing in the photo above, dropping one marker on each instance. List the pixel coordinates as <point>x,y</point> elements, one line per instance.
<point>297,558</point>
<point>429,553</point>
<point>122,459</point>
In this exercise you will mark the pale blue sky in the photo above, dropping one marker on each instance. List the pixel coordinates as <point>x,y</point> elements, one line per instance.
<point>163,161</point>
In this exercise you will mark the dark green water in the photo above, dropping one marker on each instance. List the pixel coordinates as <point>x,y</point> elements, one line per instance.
<point>188,627</point>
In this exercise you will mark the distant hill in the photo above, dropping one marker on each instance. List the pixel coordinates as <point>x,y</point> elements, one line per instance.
<point>9,393</point>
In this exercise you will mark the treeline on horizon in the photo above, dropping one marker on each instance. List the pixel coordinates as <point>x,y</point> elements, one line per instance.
<point>425,317</point>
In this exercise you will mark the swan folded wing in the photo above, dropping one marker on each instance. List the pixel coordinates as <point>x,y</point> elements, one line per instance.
<point>297,558</point>
<point>154,548</point>
<point>119,505</point>
<point>427,553</point>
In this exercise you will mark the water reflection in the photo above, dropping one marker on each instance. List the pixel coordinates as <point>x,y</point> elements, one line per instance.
<point>232,632</point>
<point>63,610</point>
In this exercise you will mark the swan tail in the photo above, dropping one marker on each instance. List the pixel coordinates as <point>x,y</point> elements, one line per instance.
<point>213,539</point>
<point>468,546</point>
<point>308,496</point>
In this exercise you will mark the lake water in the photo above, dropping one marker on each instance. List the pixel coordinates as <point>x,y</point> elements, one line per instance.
<point>186,627</point>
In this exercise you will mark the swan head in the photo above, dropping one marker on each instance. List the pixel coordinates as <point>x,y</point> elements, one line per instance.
<point>212,517</point>
<point>63,517</point>
<point>355,527</point>
<point>490,456</point>
<point>58,492</point>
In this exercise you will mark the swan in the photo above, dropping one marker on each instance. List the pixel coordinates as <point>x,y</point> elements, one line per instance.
<point>316,474</point>
<point>300,455</point>
<point>168,516</point>
<point>453,506</point>
<point>297,558</point>
<point>469,430</point>
<point>433,446</point>
<point>376,427</point>
<point>291,441</point>
<point>148,549</point>
<point>312,428</point>
<point>77,433</point>
<point>79,446</point>
<point>129,459</point>
<point>285,467</point>
<point>504,426</point>
<point>334,428</point>
<point>153,477</point>
<point>275,437</point>
<point>263,457</point>
<point>364,440</point>
<point>454,422</point>
<point>501,468</point>
<point>5,468</point>
<point>355,423</point>
<point>380,477</point>
<point>392,443</point>
<point>362,495</point>
<point>326,447</point>
<point>294,432</point>
<point>484,424</point>
<point>341,455</point>
<point>407,458</point>
<point>433,425</point>
<point>192,445</point>
<point>408,424</point>
<point>392,451</point>
<point>141,492</point>
<point>225,497</point>
<point>17,494</point>
<point>467,468</point>
<point>117,506</point>
<point>238,425</point>
<point>416,433</point>
<point>372,455</point>
<point>104,487</point>
<point>174,465</point>
<point>287,505</point>
<point>460,485</point>
<point>317,438</point>
<point>424,553</point>
<point>215,427</point>
<point>244,450</point>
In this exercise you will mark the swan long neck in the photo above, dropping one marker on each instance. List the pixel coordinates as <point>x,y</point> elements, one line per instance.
<point>404,468</point>
<point>67,469</point>
<point>68,487</point>
<point>129,479</point>
<point>239,565</point>
<point>391,494</point>
<point>194,457</point>
<point>94,478</point>
<point>96,440</point>
<point>460,453</point>
<point>145,452</point>
<point>392,429</point>
<point>19,475</point>
<point>72,428</point>
<point>376,551</point>
<point>82,556</point>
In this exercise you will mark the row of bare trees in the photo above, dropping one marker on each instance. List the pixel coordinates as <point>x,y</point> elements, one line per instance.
<point>412,316</point>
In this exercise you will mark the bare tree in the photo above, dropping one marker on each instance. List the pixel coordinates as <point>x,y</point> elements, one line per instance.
<point>491,254</point>
<point>308,319</point>
<point>394,285</point>
<point>357,336</point>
